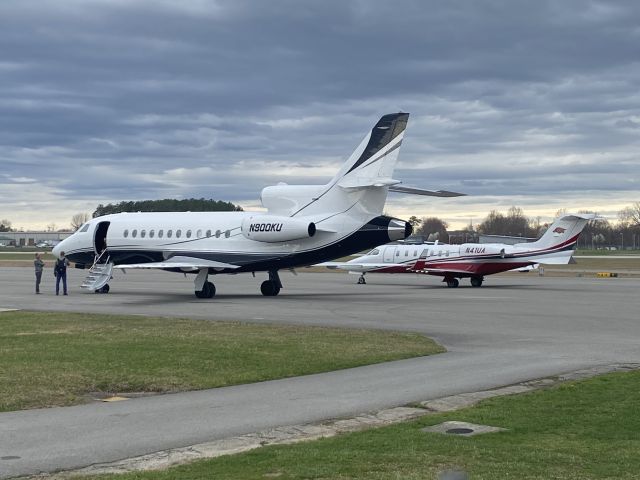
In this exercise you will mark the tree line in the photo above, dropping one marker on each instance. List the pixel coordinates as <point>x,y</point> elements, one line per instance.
<point>167,205</point>
<point>624,233</point>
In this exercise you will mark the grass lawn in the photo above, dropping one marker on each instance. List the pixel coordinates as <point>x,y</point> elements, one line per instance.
<point>49,359</point>
<point>604,253</point>
<point>583,430</point>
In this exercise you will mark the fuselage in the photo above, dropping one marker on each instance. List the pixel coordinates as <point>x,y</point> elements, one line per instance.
<point>466,260</point>
<point>155,237</point>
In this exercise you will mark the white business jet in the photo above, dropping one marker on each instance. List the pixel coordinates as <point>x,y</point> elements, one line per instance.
<point>472,260</point>
<point>303,225</point>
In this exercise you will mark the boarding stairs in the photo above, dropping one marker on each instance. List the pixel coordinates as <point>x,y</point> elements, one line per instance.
<point>99,274</point>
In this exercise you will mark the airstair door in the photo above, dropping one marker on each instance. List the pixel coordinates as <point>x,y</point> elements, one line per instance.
<point>100,237</point>
<point>389,254</point>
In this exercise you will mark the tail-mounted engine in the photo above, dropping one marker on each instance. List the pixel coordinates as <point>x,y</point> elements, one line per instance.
<point>273,229</point>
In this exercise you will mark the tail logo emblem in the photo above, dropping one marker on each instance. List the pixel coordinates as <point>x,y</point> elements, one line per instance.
<point>559,231</point>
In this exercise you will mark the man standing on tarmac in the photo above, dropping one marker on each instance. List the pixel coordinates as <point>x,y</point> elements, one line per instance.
<point>39,265</point>
<point>60,272</point>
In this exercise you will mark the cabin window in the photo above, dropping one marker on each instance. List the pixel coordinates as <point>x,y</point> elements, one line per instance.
<point>439,253</point>
<point>160,233</point>
<point>151,233</point>
<point>208,233</point>
<point>126,233</point>
<point>406,253</point>
<point>447,253</point>
<point>227,234</point>
<point>415,253</point>
<point>217,233</point>
<point>199,234</point>
<point>398,253</point>
<point>143,233</point>
<point>134,234</point>
<point>374,252</point>
<point>178,233</point>
<point>188,233</point>
<point>84,228</point>
<point>169,233</point>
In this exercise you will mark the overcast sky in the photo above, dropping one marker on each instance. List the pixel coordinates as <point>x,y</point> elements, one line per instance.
<point>533,104</point>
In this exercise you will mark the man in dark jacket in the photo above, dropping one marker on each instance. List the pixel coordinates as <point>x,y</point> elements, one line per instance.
<point>39,265</point>
<point>60,272</point>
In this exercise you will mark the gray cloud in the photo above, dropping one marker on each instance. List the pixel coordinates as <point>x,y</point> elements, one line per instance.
<point>511,102</point>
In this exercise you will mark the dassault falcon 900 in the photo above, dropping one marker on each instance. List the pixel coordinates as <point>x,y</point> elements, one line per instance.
<point>472,260</point>
<point>303,225</point>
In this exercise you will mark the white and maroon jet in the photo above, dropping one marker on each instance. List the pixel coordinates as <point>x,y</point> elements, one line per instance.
<point>471,260</point>
<point>303,225</point>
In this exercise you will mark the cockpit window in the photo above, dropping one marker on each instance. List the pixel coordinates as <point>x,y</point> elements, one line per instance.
<point>375,251</point>
<point>84,228</point>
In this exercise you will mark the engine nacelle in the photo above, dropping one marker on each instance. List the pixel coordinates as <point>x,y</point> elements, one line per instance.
<point>273,229</point>
<point>482,249</point>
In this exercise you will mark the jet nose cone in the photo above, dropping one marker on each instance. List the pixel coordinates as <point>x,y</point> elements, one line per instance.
<point>57,249</point>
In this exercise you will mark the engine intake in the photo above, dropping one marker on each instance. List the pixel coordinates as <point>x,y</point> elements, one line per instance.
<point>274,229</point>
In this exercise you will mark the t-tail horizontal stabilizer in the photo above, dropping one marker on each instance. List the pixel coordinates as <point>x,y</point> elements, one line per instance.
<point>422,191</point>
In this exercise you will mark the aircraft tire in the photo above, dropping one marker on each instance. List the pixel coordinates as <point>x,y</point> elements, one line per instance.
<point>269,288</point>
<point>208,291</point>
<point>104,289</point>
<point>476,281</point>
<point>453,283</point>
<point>361,281</point>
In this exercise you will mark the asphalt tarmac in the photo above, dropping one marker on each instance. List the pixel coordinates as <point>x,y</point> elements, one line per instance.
<point>515,327</point>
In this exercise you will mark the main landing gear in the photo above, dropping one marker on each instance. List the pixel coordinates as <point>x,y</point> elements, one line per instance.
<point>271,287</point>
<point>204,288</point>
<point>476,281</point>
<point>103,289</point>
<point>208,290</point>
<point>361,280</point>
<point>452,282</point>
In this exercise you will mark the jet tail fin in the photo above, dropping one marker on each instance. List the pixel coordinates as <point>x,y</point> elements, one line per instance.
<point>563,232</point>
<point>375,158</point>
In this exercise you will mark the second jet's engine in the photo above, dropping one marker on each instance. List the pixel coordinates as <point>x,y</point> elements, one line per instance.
<point>273,229</point>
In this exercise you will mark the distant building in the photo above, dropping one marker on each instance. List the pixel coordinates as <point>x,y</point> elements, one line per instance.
<point>31,239</point>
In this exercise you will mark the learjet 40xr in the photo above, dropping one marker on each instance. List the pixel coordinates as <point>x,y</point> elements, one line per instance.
<point>303,225</point>
<point>472,260</point>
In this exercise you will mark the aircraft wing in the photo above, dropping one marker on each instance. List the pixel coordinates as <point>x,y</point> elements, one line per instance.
<point>441,270</point>
<point>360,267</point>
<point>184,263</point>
<point>422,191</point>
